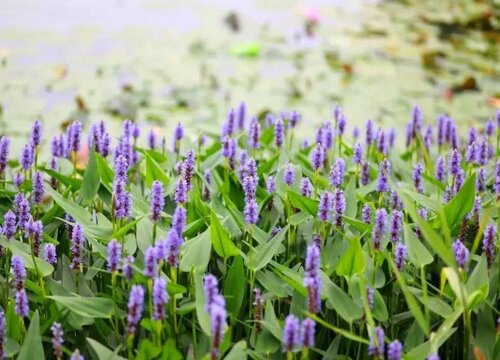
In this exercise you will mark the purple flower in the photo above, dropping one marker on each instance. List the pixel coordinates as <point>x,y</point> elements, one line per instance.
<point>178,135</point>
<point>366,214</point>
<point>433,357</point>
<point>74,134</point>
<point>23,209</point>
<point>38,190</point>
<point>251,211</point>
<point>121,168</point>
<point>417,177</point>
<point>447,194</point>
<point>161,247</point>
<point>271,184</point>
<point>9,224</point>
<point>136,131</point>
<point>417,119</point>
<point>337,173</point>
<point>291,334</point>
<point>312,280</point>
<point>395,350</point>
<point>327,133</point>
<point>36,133</point>
<point>49,253</point>
<point>242,111</point>
<point>489,236</point>
<point>289,175</point>
<point>77,243</point>
<point>306,187</point>
<point>279,133</point>
<point>179,220</point>
<point>157,201</point>
<point>471,153</point>
<point>76,355</point>
<point>459,181</point>
<point>365,173</point>
<point>21,303</point>
<point>382,145</point>
<point>150,262</point>
<point>481,180</point>
<point>174,243</point>
<point>357,156</point>
<point>4,152</point>
<point>496,183</point>
<point>455,159</point>
<point>57,146</point>
<point>27,156</point>
<point>152,140</point>
<point>369,296</point>
<point>395,226</point>
<point>249,187</point>
<point>325,205</point>
<point>461,253</point>
<point>440,172</point>
<point>379,228</point>
<point>114,254</point>
<point>383,173</point>
<point>181,191</point>
<point>395,201</point>
<point>229,150</point>
<point>160,298</point>
<point>122,200</point>
<point>57,339</point>
<point>482,155</point>
<point>369,132</point>
<point>218,317</point>
<point>441,128</point>
<point>294,119</point>
<point>254,134</point>
<point>377,345</point>
<point>34,231</point>
<point>269,120</point>
<point>211,290</point>
<point>428,137</point>
<point>355,133</point>
<point>341,124</point>
<point>339,206</point>
<point>259,304</point>
<point>489,128</point>
<point>471,136</point>
<point>307,332</point>
<point>400,256</point>
<point>127,128</point>
<point>128,270</point>
<point>18,271</point>
<point>135,307</point>
<point>189,168</point>
<point>18,179</point>
<point>317,157</point>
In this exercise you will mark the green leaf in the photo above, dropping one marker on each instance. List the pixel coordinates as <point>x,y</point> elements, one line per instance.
<point>24,250</point>
<point>170,352</point>
<point>352,261</point>
<point>238,351</point>
<point>417,252</point>
<point>90,182</point>
<point>32,348</point>
<point>106,174</point>
<point>303,203</point>
<point>234,286</point>
<point>350,199</point>
<point>479,279</point>
<point>94,307</point>
<point>154,172</point>
<point>196,253</point>
<point>101,352</point>
<point>201,313</point>
<point>461,204</point>
<point>337,299</point>
<point>221,241</point>
<point>265,252</point>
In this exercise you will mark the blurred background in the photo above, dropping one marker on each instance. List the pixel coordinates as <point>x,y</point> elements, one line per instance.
<point>161,62</point>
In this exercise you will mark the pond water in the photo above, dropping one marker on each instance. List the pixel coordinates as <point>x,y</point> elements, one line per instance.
<point>163,62</point>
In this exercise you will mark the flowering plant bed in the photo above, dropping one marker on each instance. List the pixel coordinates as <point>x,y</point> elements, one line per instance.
<point>252,243</point>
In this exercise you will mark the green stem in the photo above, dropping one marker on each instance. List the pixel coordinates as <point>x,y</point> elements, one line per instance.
<point>173,316</point>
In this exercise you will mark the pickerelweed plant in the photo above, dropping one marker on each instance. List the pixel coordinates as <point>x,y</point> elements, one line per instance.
<point>252,242</point>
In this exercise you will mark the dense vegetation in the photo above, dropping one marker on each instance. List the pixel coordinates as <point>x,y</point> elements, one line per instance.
<point>252,242</point>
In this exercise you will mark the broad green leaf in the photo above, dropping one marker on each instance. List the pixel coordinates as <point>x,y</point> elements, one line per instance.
<point>24,250</point>
<point>479,279</point>
<point>345,333</point>
<point>303,203</point>
<point>170,351</point>
<point>32,348</point>
<point>154,172</point>
<point>90,182</point>
<point>417,252</point>
<point>221,241</point>
<point>201,313</point>
<point>450,274</point>
<point>93,307</point>
<point>338,300</point>
<point>461,204</point>
<point>196,253</point>
<point>106,173</point>
<point>101,352</point>
<point>265,252</point>
<point>234,286</point>
<point>350,199</point>
<point>352,261</point>
<point>238,351</point>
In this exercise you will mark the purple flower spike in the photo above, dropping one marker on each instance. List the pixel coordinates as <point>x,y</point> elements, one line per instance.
<point>157,200</point>
<point>152,140</point>
<point>496,182</point>
<point>325,205</point>
<point>23,209</point>
<point>150,262</point>
<point>369,296</point>
<point>114,255</point>
<point>400,253</point>
<point>355,133</point>
<point>395,201</point>
<point>181,191</point>
<point>365,173</point>
<point>174,243</point>
<point>337,173</point>
<point>455,159</point>
<point>50,254</point>
<point>366,214</point>
<point>251,212</point>
<point>317,157</point>
<point>259,304</point>
<point>27,156</point>
<point>18,180</point>
<point>396,225</point>
<point>36,133</point>
<point>327,135</point>
<point>339,207</point>
<point>461,253</point>
<point>271,184</point>
<point>307,332</point>
<point>4,153</point>
<point>135,307</point>
<point>379,228</point>
<point>428,137</point>
<point>57,339</point>
<point>357,156</point>
<point>291,334</point>
<point>369,132</point>
<point>178,135</point>
<point>441,130</point>
<point>22,303</point>
<point>18,271</point>
<point>128,270</point>
<point>189,168</point>
<point>489,128</point>
<point>77,243</point>
<point>306,187</point>
<point>160,298</point>
<point>341,124</point>
<point>482,154</point>
<point>294,119</point>
<point>395,350</point>
<point>9,224</point>
<point>254,134</point>
<point>121,168</point>
<point>179,220</point>
<point>433,357</point>
<point>481,180</point>
<point>383,176</point>
<point>489,236</point>
<point>34,231</point>
<point>122,200</point>
<point>459,181</point>
<point>242,114</point>
<point>218,325</point>
<point>312,280</point>
<point>471,153</point>
<point>417,177</point>
<point>279,133</point>
<point>377,344</point>
<point>211,290</point>
<point>289,175</point>
<point>38,190</point>
<point>440,172</point>
<point>74,134</point>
